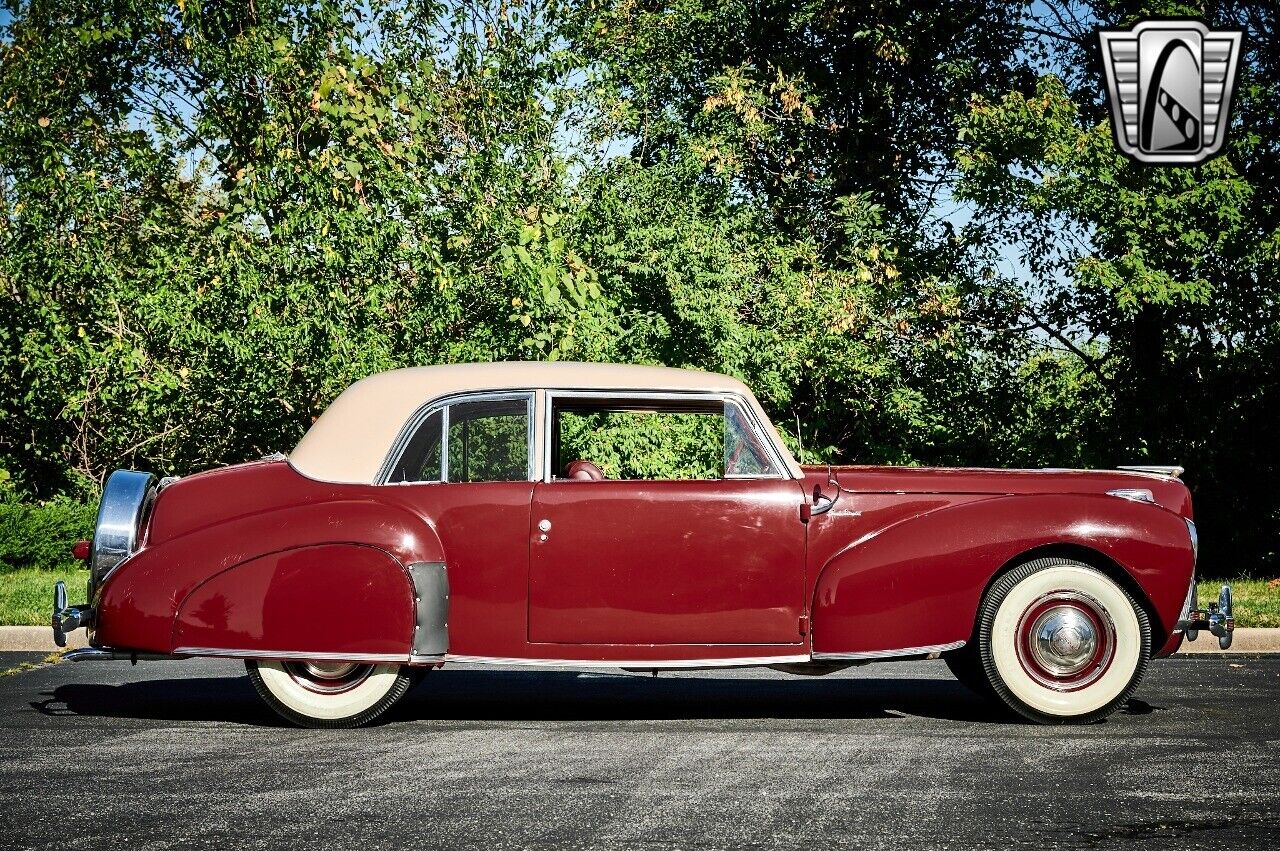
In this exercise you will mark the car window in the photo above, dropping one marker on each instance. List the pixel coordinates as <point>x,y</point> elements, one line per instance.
<point>646,439</point>
<point>744,454</point>
<point>488,441</point>
<point>421,459</point>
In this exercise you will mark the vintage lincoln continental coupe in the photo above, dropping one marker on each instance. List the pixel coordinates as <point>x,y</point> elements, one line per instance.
<point>629,517</point>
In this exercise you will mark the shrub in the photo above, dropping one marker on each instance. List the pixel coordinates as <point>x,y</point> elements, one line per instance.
<point>40,535</point>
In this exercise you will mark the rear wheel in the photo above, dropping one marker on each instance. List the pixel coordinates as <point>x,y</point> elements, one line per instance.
<point>1060,642</point>
<point>329,694</point>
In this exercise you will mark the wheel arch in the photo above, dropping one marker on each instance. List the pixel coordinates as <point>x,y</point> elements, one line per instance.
<point>1096,559</point>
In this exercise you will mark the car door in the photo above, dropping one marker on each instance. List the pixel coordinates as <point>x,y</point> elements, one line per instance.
<point>468,466</point>
<point>695,560</point>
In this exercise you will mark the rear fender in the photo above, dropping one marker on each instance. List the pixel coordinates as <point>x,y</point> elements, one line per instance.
<point>306,602</point>
<point>138,605</point>
<point>917,583</point>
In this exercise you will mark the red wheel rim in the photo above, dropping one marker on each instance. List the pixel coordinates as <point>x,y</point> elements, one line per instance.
<point>1065,640</point>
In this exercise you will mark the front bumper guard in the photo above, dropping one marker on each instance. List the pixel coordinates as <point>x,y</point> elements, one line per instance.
<point>67,618</point>
<point>1217,619</point>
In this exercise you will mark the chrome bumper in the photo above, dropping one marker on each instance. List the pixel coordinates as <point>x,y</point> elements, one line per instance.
<point>1217,618</point>
<point>67,618</point>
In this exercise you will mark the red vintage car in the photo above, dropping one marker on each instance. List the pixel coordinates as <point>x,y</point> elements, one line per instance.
<point>629,517</point>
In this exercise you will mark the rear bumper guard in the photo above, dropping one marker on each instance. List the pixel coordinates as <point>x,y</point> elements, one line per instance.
<point>1216,618</point>
<point>67,618</point>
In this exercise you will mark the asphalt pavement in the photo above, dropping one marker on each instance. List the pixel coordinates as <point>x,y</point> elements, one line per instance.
<point>893,756</point>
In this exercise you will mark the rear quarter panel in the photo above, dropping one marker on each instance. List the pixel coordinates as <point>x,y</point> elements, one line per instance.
<point>217,543</point>
<point>303,600</point>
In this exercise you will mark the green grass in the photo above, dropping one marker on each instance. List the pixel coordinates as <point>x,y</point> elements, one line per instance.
<point>51,659</point>
<point>1256,601</point>
<point>26,596</point>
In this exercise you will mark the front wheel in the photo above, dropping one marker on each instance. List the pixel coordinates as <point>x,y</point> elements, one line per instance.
<point>1060,642</point>
<point>329,694</point>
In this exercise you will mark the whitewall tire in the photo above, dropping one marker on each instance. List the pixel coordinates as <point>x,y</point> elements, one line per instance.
<point>329,694</point>
<point>1060,642</point>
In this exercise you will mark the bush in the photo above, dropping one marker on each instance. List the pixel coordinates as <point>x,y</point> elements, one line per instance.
<point>40,535</point>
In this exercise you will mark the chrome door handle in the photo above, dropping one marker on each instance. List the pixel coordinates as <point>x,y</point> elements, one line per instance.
<point>544,526</point>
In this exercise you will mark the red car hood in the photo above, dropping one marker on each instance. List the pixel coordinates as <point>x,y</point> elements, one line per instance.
<point>1166,491</point>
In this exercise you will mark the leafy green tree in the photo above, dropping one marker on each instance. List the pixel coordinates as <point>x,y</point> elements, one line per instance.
<point>218,216</point>
<point>904,224</point>
<point>1158,284</point>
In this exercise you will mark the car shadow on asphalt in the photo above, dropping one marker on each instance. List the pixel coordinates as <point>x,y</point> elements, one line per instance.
<point>499,696</point>
<point>572,696</point>
<point>228,699</point>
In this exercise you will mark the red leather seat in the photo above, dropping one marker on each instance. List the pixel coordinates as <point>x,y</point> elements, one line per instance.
<point>583,470</point>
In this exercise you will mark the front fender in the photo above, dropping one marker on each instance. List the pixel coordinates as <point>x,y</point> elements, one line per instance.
<point>917,583</point>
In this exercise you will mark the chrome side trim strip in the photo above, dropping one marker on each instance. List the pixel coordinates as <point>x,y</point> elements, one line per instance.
<point>396,658</point>
<point>99,654</point>
<point>1171,471</point>
<point>739,662</point>
<point>231,653</point>
<point>889,654</point>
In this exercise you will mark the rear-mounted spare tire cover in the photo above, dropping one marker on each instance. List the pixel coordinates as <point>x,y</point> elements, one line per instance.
<point>126,500</point>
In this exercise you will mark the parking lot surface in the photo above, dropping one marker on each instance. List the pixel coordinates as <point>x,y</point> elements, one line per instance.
<point>893,756</point>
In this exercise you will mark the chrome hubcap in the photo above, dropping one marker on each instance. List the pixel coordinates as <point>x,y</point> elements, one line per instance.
<point>328,677</point>
<point>1066,640</point>
<point>329,670</point>
<point>1063,640</point>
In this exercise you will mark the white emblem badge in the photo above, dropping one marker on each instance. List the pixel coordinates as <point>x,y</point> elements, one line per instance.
<point>1169,84</point>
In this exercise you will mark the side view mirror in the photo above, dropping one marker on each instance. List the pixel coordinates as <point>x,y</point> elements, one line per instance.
<point>822,503</point>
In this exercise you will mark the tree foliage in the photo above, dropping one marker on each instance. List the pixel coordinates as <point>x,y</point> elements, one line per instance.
<point>1160,283</point>
<point>904,224</point>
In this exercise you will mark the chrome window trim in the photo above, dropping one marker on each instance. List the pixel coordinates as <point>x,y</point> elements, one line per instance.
<point>442,404</point>
<point>748,413</point>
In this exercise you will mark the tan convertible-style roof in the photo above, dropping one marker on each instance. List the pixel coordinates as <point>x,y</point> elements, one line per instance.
<point>350,440</point>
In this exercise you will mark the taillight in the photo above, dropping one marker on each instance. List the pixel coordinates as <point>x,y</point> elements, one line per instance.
<point>80,550</point>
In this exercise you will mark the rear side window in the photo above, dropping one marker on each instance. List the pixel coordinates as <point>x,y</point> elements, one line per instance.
<point>485,440</point>
<point>489,441</point>
<point>421,461</point>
